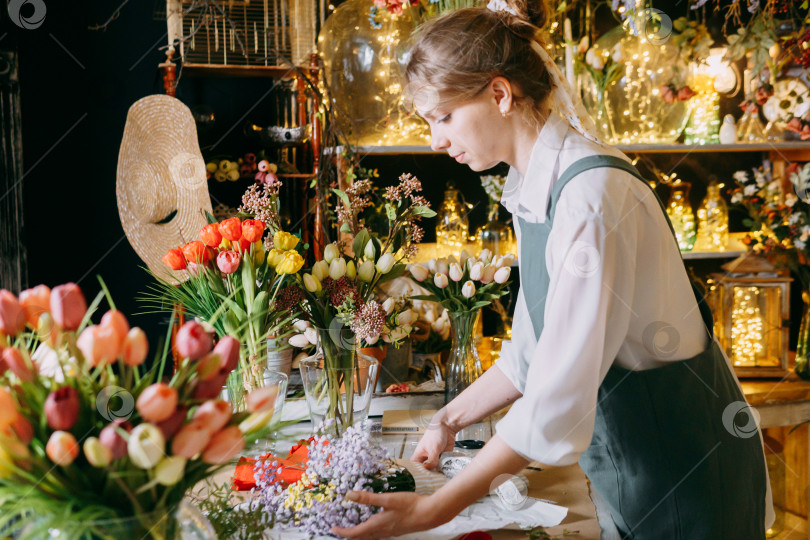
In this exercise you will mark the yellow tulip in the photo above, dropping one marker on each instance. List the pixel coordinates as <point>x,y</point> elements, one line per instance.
<point>284,241</point>
<point>259,254</point>
<point>290,263</point>
<point>275,256</point>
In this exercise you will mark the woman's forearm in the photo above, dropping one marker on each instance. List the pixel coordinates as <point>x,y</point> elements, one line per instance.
<point>489,394</point>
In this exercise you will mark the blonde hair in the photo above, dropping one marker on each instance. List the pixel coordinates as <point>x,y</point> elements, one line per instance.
<point>455,56</point>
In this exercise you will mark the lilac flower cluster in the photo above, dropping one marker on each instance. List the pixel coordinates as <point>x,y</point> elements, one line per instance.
<point>336,466</point>
<point>369,320</point>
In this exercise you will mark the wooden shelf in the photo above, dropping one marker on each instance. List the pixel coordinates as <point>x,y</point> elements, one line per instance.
<point>216,70</point>
<point>690,255</point>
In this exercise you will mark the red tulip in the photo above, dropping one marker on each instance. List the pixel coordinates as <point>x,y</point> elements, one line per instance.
<point>110,438</point>
<point>211,388</point>
<point>68,306</point>
<point>157,402</point>
<point>12,314</point>
<point>173,423</point>
<point>228,261</point>
<point>115,320</point>
<point>8,408</point>
<point>191,439</point>
<point>210,235</point>
<point>194,252</point>
<point>224,446</point>
<point>192,341</point>
<point>175,259</point>
<point>667,93</point>
<point>231,229</point>
<point>686,93</point>
<point>214,414</point>
<point>35,301</point>
<point>99,345</point>
<point>23,429</point>
<point>261,399</point>
<point>62,408</point>
<point>244,245</point>
<point>252,230</point>
<point>228,350</point>
<point>135,347</point>
<point>20,364</point>
<point>62,448</point>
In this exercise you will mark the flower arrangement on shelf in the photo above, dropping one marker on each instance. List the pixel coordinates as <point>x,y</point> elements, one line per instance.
<point>231,280</point>
<point>335,466</point>
<point>419,10</point>
<point>437,322</point>
<point>602,66</point>
<point>90,436</point>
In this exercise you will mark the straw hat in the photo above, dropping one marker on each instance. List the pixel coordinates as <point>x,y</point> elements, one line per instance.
<point>161,185</point>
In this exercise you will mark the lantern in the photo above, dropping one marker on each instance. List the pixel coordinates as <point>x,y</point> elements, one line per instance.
<point>751,309</point>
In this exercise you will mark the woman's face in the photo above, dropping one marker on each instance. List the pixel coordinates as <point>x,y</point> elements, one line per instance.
<point>471,132</point>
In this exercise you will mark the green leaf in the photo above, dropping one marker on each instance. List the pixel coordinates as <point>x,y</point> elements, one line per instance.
<point>425,297</point>
<point>343,197</point>
<point>346,228</point>
<point>423,211</point>
<point>360,242</point>
<point>248,277</point>
<point>396,271</point>
<point>210,217</point>
<point>261,303</point>
<point>390,212</point>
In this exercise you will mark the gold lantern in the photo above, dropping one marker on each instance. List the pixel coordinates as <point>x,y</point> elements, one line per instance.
<point>751,308</point>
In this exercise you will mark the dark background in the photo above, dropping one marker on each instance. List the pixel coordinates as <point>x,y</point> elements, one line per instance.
<point>76,86</point>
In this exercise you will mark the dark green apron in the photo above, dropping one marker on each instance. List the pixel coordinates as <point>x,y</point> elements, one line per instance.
<point>661,458</point>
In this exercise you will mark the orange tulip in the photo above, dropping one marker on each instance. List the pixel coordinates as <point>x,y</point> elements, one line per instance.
<point>62,448</point>
<point>252,230</point>
<point>12,314</point>
<point>191,439</point>
<point>116,320</point>
<point>157,402</point>
<point>99,345</point>
<point>224,446</point>
<point>35,301</point>
<point>135,347</point>
<point>231,229</point>
<point>175,259</point>
<point>68,306</point>
<point>214,414</point>
<point>210,235</point>
<point>261,399</point>
<point>23,429</point>
<point>8,408</point>
<point>194,252</point>
<point>19,363</point>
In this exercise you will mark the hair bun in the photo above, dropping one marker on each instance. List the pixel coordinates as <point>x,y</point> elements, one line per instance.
<point>535,12</point>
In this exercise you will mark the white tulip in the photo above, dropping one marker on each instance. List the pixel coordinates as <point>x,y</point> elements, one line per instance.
<point>385,263</point>
<point>462,257</point>
<point>369,251</point>
<point>351,270</point>
<point>442,267</point>
<point>432,265</point>
<point>617,54</point>
<point>331,252</point>
<point>594,59</point>
<point>488,275</point>
<point>419,272</point>
<point>170,470</point>
<point>502,274</point>
<point>299,340</point>
<point>468,289</point>
<point>485,255</point>
<point>372,339</point>
<point>389,305</point>
<point>312,335</point>
<point>455,272</point>
<point>337,268</point>
<point>320,270</point>
<point>366,271</point>
<point>397,334</point>
<point>429,315</point>
<point>407,317</point>
<point>583,45</point>
<point>451,259</point>
<point>146,446</point>
<point>508,260</point>
<point>440,280</point>
<point>301,324</point>
<point>312,283</point>
<point>441,327</point>
<point>476,271</point>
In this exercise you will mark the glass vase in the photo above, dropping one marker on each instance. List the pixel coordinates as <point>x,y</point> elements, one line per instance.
<point>593,97</point>
<point>463,366</point>
<point>680,214</point>
<point>338,380</point>
<point>248,376</point>
<point>452,225</point>
<point>803,345</point>
<point>712,233</point>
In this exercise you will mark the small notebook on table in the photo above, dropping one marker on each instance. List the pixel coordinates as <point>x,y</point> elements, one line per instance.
<point>407,421</point>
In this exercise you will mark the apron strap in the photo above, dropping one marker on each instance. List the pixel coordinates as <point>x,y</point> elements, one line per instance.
<point>599,161</point>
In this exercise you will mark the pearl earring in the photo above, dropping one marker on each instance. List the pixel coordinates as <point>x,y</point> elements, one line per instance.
<point>503,113</point>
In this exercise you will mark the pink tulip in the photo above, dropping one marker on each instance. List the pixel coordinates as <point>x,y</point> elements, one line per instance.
<point>212,387</point>
<point>224,446</point>
<point>192,341</point>
<point>173,423</point>
<point>191,439</point>
<point>12,314</point>
<point>62,448</point>
<point>228,261</point>
<point>135,347</point>
<point>214,414</point>
<point>157,402</point>
<point>35,301</point>
<point>228,350</point>
<point>23,429</point>
<point>62,408</point>
<point>20,364</point>
<point>115,320</point>
<point>99,345</point>
<point>113,440</point>
<point>261,399</point>
<point>68,306</point>
<point>8,408</point>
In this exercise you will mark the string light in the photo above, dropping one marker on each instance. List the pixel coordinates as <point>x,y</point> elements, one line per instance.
<point>747,339</point>
<point>680,214</point>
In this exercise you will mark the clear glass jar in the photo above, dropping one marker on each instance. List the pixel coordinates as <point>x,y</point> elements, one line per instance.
<point>463,366</point>
<point>495,235</point>
<point>712,233</point>
<point>452,226</point>
<point>680,214</point>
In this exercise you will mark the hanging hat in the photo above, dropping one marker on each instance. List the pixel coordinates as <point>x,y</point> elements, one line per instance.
<point>161,183</point>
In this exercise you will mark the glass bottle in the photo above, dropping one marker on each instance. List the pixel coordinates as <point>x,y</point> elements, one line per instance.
<point>680,214</point>
<point>712,214</point>
<point>463,366</point>
<point>452,227</point>
<point>495,235</point>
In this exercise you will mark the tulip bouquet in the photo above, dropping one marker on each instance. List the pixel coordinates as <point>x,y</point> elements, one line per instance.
<point>463,286</point>
<point>437,322</point>
<point>231,280</point>
<point>89,436</point>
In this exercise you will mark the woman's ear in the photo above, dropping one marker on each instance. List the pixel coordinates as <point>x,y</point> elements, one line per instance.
<point>502,93</point>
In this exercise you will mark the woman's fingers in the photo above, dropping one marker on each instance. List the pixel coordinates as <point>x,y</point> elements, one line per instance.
<point>367,497</point>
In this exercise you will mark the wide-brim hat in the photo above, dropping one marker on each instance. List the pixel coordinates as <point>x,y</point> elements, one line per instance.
<point>161,183</point>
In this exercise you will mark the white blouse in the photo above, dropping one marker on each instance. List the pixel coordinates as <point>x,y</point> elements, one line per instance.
<point>618,293</point>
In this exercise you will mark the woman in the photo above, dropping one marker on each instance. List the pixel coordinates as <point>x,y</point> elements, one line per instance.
<point>613,363</point>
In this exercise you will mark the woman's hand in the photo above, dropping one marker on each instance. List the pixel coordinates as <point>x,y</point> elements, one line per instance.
<point>402,513</point>
<point>439,437</point>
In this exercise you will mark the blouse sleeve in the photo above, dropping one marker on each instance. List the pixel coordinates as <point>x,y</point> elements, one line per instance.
<point>590,259</point>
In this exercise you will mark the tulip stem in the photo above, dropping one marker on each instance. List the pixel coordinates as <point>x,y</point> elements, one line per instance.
<point>125,488</point>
